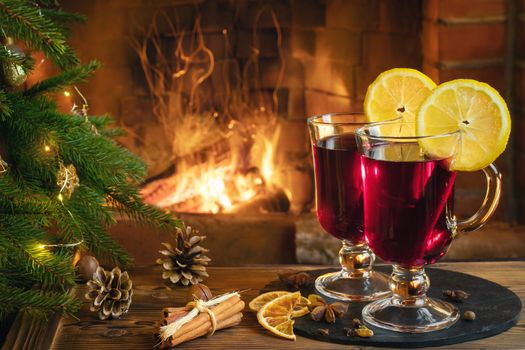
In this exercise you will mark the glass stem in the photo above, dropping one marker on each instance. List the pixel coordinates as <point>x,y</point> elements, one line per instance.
<point>409,286</point>
<point>356,259</point>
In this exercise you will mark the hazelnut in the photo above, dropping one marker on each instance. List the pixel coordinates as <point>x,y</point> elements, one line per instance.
<point>199,291</point>
<point>469,316</point>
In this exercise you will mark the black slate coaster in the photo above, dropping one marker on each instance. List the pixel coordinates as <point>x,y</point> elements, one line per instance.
<point>497,309</point>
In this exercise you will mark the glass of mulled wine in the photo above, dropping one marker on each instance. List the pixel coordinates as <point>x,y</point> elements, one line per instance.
<point>409,219</point>
<point>339,199</point>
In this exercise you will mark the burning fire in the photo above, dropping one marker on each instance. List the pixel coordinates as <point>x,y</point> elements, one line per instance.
<point>223,144</point>
<point>213,188</point>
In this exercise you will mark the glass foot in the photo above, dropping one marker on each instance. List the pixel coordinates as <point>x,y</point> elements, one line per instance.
<point>342,285</point>
<point>409,309</point>
<point>426,316</point>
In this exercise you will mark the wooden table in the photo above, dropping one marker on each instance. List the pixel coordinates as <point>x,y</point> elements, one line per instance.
<point>135,330</point>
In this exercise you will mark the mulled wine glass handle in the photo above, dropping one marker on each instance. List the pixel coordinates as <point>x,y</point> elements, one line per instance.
<point>490,202</point>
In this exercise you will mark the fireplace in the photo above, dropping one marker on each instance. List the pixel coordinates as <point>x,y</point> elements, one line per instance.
<point>214,94</point>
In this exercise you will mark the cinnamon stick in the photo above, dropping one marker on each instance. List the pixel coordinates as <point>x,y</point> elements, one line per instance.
<point>171,310</point>
<point>175,315</point>
<point>202,330</point>
<point>223,310</point>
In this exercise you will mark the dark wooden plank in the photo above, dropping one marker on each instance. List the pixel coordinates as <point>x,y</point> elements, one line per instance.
<point>135,330</point>
<point>32,333</point>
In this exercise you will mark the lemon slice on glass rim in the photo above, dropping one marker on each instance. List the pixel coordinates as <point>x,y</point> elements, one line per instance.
<point>396,93</point>
<point>473,108</point>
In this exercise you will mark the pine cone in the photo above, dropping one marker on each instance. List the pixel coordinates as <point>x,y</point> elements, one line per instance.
<point>185,263</point>
<point>111,293</point>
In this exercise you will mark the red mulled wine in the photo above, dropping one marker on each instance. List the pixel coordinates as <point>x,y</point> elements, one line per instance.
<point>406,201</point>
<point>339,190</point>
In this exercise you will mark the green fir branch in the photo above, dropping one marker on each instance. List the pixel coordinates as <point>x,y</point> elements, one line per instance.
<point>64,79</point>
<point>31,215</point>
<point>61,17</point>
<point>5,106</point>
<point>42,265</point>
<point>23,20</point>
<point>35,302</point>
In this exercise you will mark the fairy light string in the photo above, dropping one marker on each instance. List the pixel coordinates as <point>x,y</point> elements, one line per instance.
<point>67,179</point>
<point>67,182</point>
<point>82,110</point>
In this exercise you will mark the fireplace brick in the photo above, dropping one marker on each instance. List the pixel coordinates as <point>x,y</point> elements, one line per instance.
<point>520,42</point>
<point>435,9</point>
<point>400,16</point>
<point>303,42</point>
<point>520,85</point>
<point>467,42</point>
<point>249,9</point>
<point>520,169</point>
<point>308,13</point>
<point>296,104</point>
<point>356,15</point>
<point>492,74</point>
<point>318,102</point>
<point>330,76</point>
<point>294,136</point>
<point>519,129</point>
<point>387,50</point>
<point>338,44</point>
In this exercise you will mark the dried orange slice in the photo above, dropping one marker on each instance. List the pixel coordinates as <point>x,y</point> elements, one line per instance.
<point>276,315</point>
<point>258,302</point>
<point>301,308</point>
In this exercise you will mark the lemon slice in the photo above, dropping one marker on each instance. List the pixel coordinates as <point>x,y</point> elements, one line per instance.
<point>258,302</point>
<point>479,113</point>
<point>396,93</point>
<point>276,315</point>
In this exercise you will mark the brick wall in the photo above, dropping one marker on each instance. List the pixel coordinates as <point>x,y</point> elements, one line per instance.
<point>344,45</point>
<point>333,49</point>
<point>468,39</point>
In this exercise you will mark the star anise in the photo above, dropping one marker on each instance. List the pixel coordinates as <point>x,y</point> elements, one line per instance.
<point>320,309</point>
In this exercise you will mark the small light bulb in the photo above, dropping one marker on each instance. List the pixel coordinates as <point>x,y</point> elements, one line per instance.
<point>41,246</point>
<point>47,148</point>
<point>67,93</point>
<point>60,197</point>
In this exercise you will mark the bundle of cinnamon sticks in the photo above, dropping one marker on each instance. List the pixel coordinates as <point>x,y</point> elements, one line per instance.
<point>227,314</point>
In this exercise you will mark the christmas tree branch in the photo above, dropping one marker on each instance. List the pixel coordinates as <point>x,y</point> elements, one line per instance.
<point>41,265</point>
<point>60,17</point>
<point>64,79</point>
<point>24,20</point>
<point>35,302</point>
<point>5,108</point>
